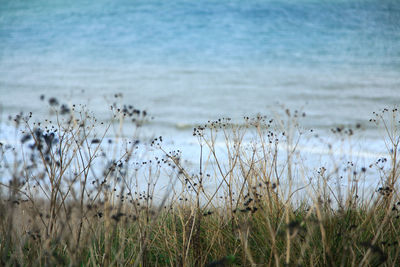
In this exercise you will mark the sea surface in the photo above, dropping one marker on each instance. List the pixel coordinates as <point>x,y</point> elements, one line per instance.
<point>187,62</point>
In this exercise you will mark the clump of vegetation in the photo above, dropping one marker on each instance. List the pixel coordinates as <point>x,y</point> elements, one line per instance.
<point>77,191</point>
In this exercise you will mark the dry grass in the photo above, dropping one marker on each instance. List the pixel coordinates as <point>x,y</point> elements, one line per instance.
<point>71,197</point>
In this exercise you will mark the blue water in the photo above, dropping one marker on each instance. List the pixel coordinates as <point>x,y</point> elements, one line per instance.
<point>191,61</point>
<point>205,33</point>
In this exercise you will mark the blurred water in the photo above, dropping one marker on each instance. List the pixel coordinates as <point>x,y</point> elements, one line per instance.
<point>191,61</point>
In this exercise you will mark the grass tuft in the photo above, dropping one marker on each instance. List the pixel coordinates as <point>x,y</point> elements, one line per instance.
<point>78,191</point>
